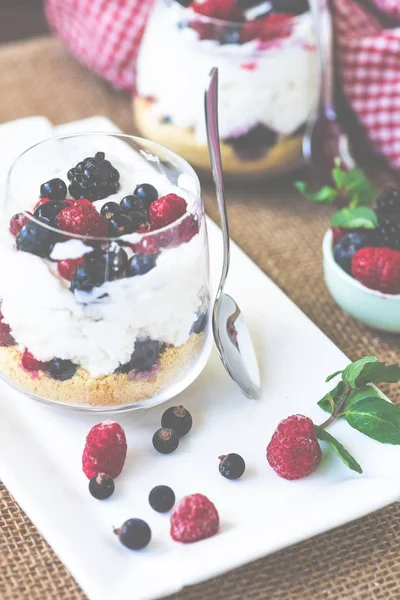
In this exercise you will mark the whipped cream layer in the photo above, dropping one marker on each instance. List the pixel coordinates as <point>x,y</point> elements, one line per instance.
<point>98,330</point>
<point>276,86</point>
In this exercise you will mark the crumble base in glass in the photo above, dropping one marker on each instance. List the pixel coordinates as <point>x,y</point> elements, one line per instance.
<point>284,153</point>
<point>109,390</point>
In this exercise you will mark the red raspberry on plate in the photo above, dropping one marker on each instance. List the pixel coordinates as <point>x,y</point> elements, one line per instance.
<point>378,269</point>
<point>293,451</point>
<point>194,518</point>
<point>166,210</point>
<point>6,339</point>
<point>17,222</point>
<point>82,219</point>
<point>67,268</point>
<point>30,363</point>
<point>105,450</point>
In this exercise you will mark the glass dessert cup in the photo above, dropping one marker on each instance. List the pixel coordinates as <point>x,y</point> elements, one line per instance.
<point>104,307</point>
<point>268,86</point>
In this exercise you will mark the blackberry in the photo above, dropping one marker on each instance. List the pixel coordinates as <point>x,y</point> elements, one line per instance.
<point>388,230</point>
<point>347,246</point>
<point>94,178</point>
<point>388,201</point>
<point>290,7</point>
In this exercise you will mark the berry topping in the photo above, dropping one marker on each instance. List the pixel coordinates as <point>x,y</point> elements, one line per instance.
<point>17,222</point>
<point>55,189</point>
<point>177,418</point>
<point>48,211</point>
<point>387,232</point>
<point>82,219</point>
<point>35,239</point>
<point>166,210</point>
<point>165,441</point>
<point>254,144</point>
<point>6,339</point>
<point>378,269</point>
<point>90,274</point>
<point>140,264</point>
<point>61,369</point>
<point>226,10</point>
<point>67,268</point>
<point>195,518</point>
<point>145,355</point>
<point>200,323</point>
<point>121,224</point>
<point>147,193</point>
<point>105,450</point>
<point>101,486</point>
<point>30,363</point>
<point>94,178</point>
<point>347,247</point>
<point>133,204</point>
<point>388,201</point>
<point>110,209</point>
<point>293,451</point>
<point>232,466</point>
<point>162,498</point>
<point>135,534</point>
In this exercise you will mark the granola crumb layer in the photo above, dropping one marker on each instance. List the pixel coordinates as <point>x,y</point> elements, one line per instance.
<point>108,391</point>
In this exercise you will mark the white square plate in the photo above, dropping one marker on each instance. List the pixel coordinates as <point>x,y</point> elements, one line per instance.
<point>41,448</point>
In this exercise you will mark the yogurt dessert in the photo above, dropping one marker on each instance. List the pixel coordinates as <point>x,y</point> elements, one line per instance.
<point>266,55</point>
<point>104,275</point>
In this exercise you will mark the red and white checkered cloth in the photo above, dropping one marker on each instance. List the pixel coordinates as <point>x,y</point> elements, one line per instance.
<point>105,35</point>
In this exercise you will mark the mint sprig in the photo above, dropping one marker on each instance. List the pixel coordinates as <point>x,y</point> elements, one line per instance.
<point>340,450</point>
<point>352,186</point>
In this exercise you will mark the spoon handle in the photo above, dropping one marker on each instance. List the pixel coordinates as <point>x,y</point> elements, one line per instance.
<point>211,111</point>
<point>322,18</point>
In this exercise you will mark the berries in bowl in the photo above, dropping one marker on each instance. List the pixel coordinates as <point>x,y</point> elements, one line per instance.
<point>104,274</point>
<point>361,250</point>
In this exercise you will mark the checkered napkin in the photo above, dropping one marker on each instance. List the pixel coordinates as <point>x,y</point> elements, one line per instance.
<point>105,35</point>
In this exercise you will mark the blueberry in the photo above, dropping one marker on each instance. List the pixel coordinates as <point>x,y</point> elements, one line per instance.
<point>230,36</point>
<point>55,189</point>
<point>48,212</point>
<point>232,466</point>
<point>162,498</point>
<point>135,534</point>
<point>101,486</point>
<point>109,209</point>
<point>35,239</point>
<point>89,275</point>
<point>61,369</point>
<point>165,441</point>
<point>147,193</point>
<point>145,355</point>
<point>177,418</point>
<point>347,246</point>
<point>140,264</point>
<point>200,323</point>
<point>132,204</point>
<point>121,224</point>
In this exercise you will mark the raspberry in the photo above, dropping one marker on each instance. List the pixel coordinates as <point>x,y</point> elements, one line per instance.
<point>30,363</point>
<point>267,29</point>
<point>293,451</point>
<point>226,10</point>
<point>6,339</point>
<point>194,518</point>
<point>105,450</point>
<point>82,219</point>
<point>17,222</point>
<point>166,210</point>
<point>67,268</point>
<point>378,269</point>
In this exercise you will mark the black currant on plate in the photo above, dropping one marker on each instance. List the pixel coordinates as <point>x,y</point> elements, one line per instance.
<point>135,534</point>
<point>177,418</point>
<point>165,441</point>
<point>232,466</point>
<point>162,498</point>
<point>101,486</point>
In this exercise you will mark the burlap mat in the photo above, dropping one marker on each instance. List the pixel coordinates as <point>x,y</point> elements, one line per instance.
<point>282,233</point>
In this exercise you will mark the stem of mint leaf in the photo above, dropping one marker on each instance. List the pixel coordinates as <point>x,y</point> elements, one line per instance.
<point>338,410</point>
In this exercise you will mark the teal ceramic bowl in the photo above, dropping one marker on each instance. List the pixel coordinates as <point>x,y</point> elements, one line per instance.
<point>375,309</point>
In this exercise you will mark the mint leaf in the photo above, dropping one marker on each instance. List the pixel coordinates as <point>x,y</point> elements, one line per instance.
<point>354,370</point>
<point>340,450</point>
<point>339,176</point>
<point>332,399</point>
<point>378,372</point>
<point>360,393</point>
<point>325,195</point>
<point>376,418</point>
<point>359,190</point>
<point>330,377</point>
<point>360,217</point>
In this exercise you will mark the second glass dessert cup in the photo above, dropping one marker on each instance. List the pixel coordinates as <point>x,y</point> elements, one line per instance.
<point>104,280</point>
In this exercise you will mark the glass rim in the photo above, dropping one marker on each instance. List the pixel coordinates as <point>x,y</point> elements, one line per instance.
<point>222,22</point>
<point>140,236</point>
